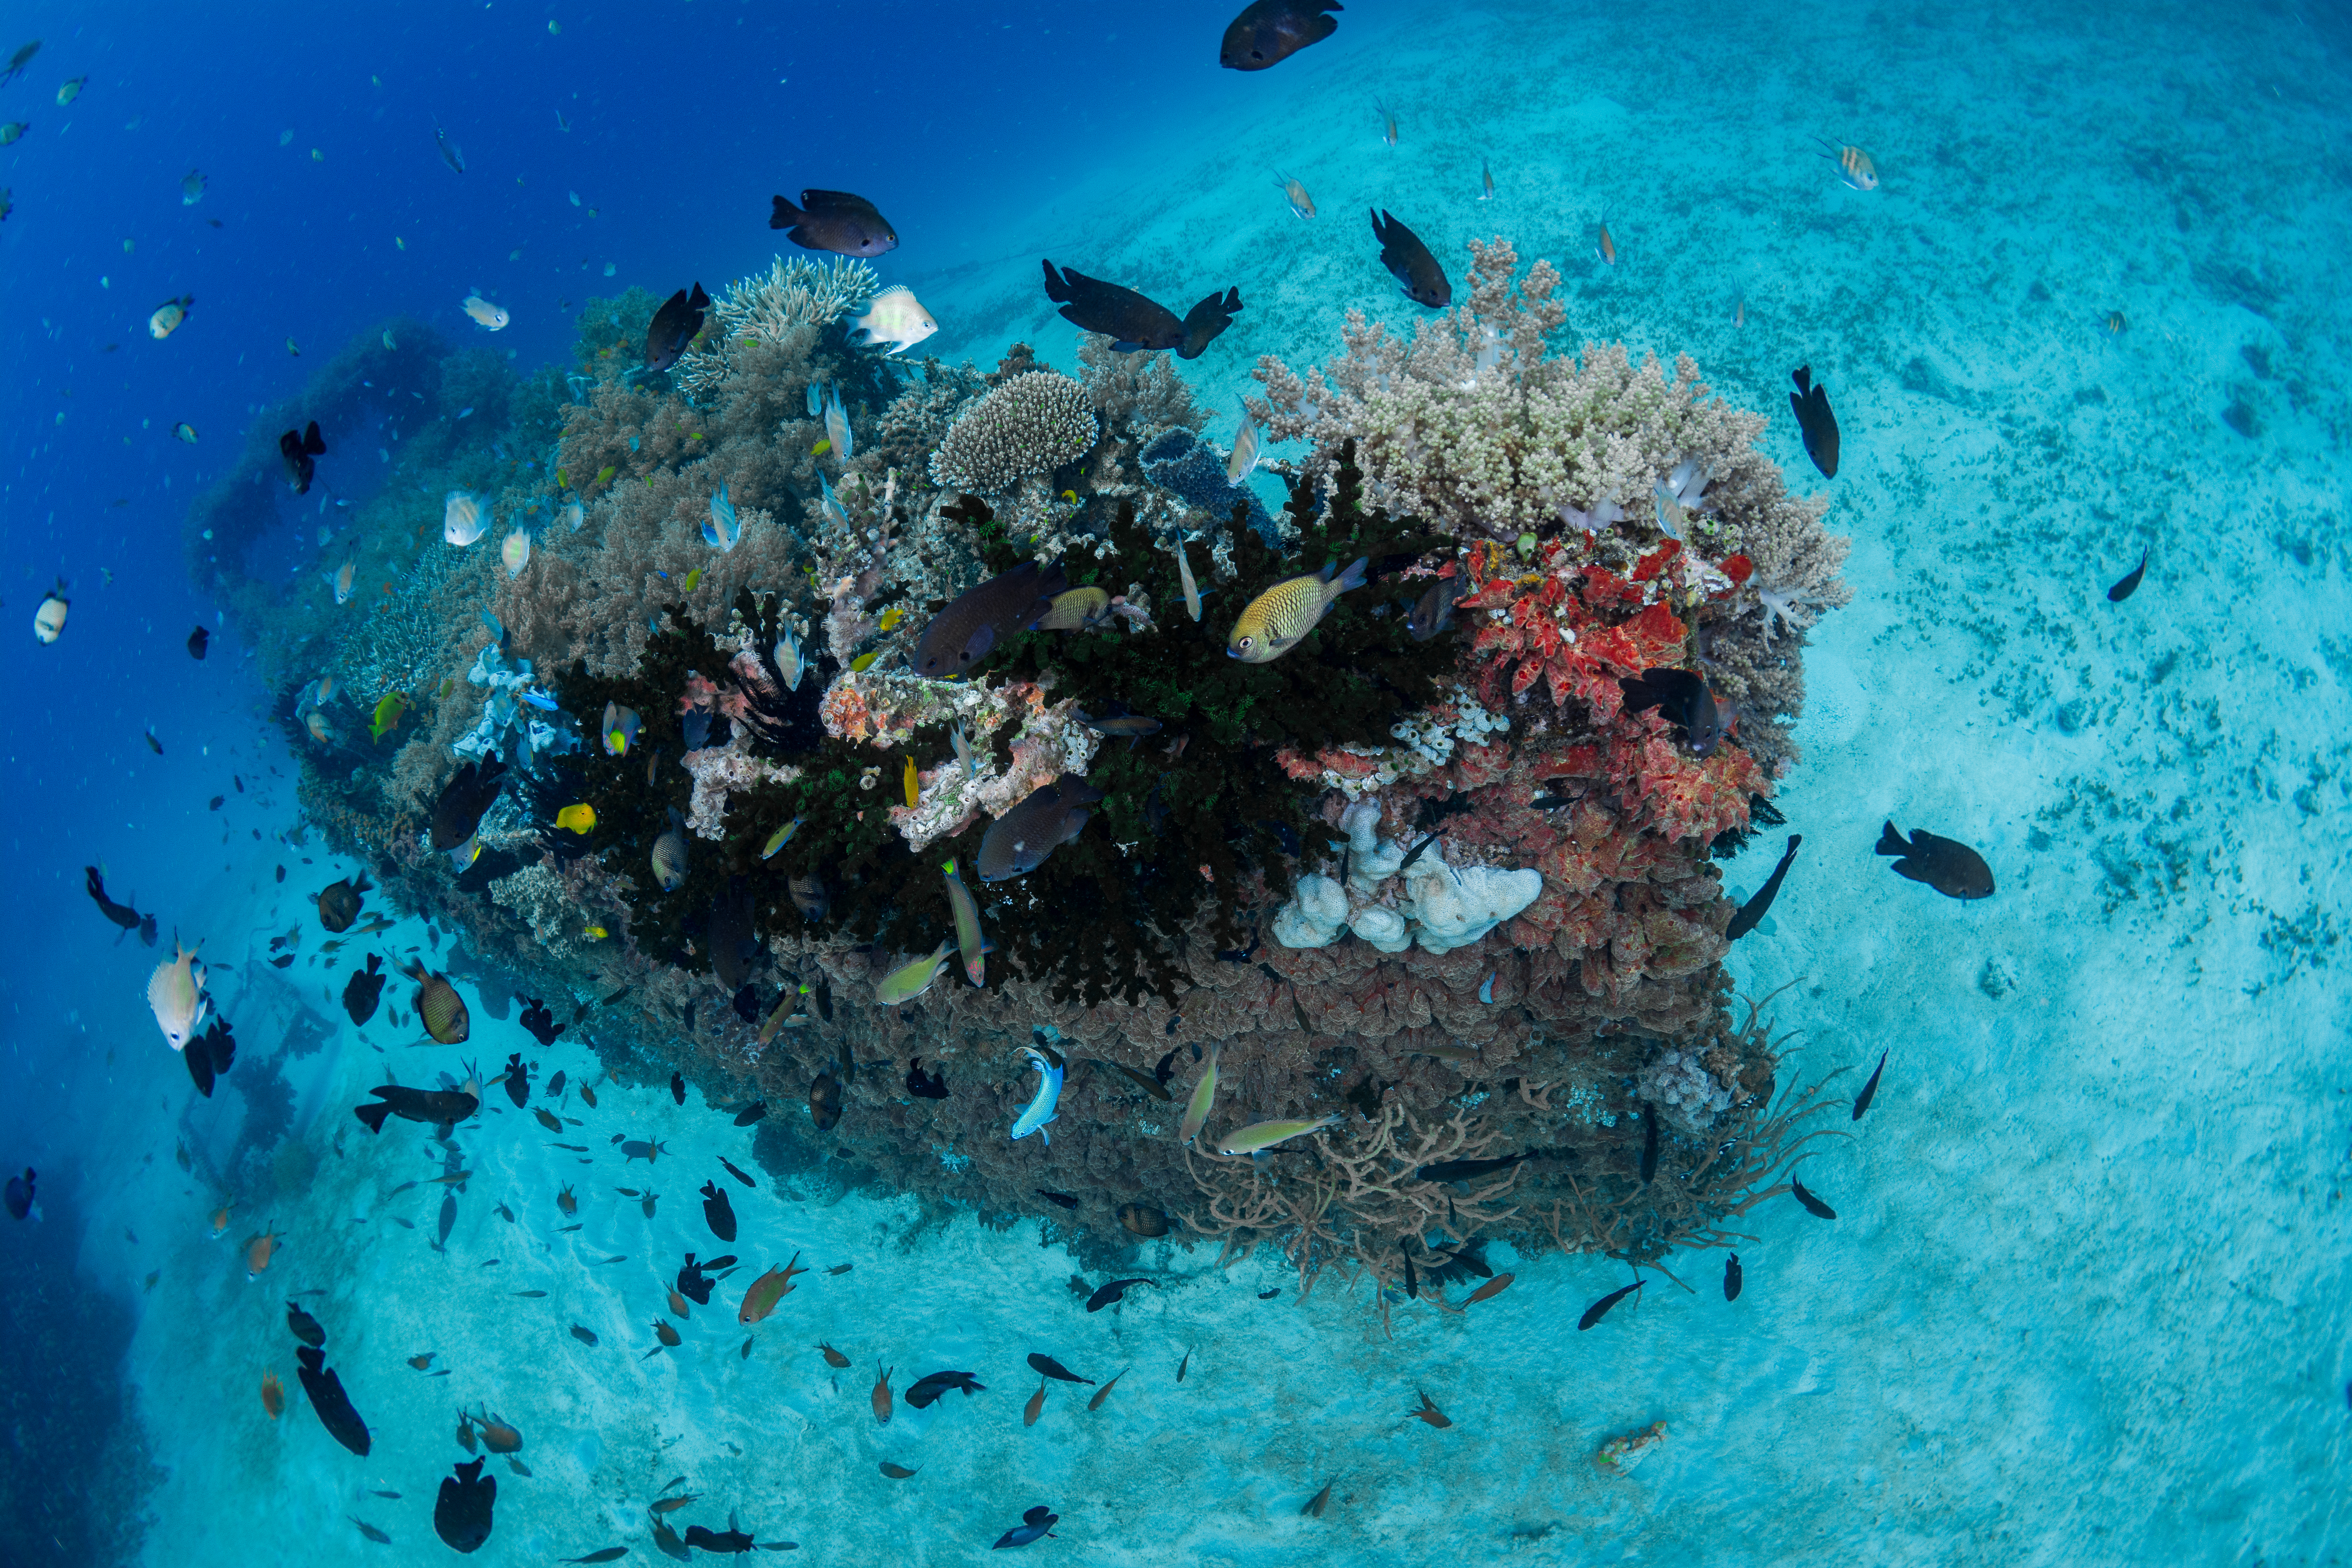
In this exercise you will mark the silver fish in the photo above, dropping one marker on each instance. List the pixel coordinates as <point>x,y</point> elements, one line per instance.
<point>669,854</point>
<point>1244,454</point>
<point>836,426</point>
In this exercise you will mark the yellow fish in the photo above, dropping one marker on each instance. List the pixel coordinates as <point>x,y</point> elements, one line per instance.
<point>780,838</point>
<point>821,448</point>
<point>914,783</point>
<point>594,934</point>
<point>605,475</point>
<point>692,578</point>
<point>1275,621</point>
<point>1296,195</point>
<point>578,818</point>
<point>865,661</point>
<point>388,710</point>
<point>892,617</point>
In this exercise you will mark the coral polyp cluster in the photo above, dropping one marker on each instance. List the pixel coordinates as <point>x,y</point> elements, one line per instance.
<point>1439,875</point>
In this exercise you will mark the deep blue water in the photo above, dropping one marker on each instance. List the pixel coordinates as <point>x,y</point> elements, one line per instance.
<point>2092,1307</point>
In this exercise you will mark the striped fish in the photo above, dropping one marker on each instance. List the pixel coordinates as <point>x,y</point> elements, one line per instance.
<point>1854,167</point>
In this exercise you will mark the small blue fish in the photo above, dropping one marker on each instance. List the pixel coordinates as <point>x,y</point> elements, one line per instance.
<point>1486,991</point>
<point>540,700</point>
<point>1049,1091</point>
<point>724,528</point>
<point>963,751</point>
<point>832,507</point>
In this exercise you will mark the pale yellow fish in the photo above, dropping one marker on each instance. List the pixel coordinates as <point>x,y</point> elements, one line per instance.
<point>1184,576</point>
<point>516,551</point>
<point>1075,610</point>
<point>909,981</point>
<point>1856,168</point>
<point>1605,246</point>
<point>1245,453</point>
<point>176,994</point>
<point>490,316</point>
<point>343,582</point>
<point>1301,204</point>
<point>894,317</point>
<point>1266,1134</point>
<point>577,817</point>
<point>1273,624</point>
<point>1204,1096</point>
<point>461,517</point>
<point>913,781</point>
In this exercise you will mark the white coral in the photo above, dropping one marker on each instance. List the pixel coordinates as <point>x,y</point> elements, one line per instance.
<point>1436,905</point>
<point>721,770</point>
<point>1681,1090</point>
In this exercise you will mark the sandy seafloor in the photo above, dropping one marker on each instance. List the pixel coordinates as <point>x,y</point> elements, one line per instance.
<point>2086,1301</point>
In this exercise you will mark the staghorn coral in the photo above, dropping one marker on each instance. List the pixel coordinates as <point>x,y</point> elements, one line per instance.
<point>1031,424</point>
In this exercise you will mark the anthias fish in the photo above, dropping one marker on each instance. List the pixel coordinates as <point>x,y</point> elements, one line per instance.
<point>1951,868</point>
<point>1818,424</point>
<point>1410,264</point>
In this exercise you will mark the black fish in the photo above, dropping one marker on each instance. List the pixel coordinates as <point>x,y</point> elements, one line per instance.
<point>674,327</point>
<point>1269,1295</point>
<point>1752,914</point>
<point>1869,1091</point>
<point>209,1055</point>
<point>1167,1068</point>
<point>588,1336</point>
<point>1412,1284</point>
<point>328,1398</point>
<point>1047,1367</point>
<point>1112,1294</point>
<point>1048,818</point>
<point>122,915</point>
<point>693,1284</point>
<point>733,939</point>
<point>443,1107</point>
<point>1682,699</point>
<point>1468,1170</point>
<point>1434,611</point>
<point>517,1078</point>
<point>461,1514</point>
<point>677,1087</point>
<point>1732,1278</point>
<point>370,1530</point>
<point>1204,321</point>
<point>1812,404</point>
<point>1270,31</point>
<point>1035,1524</point>
<point>1128,319</point>
<point>1414,854</point>
<point>1600,1309</point>
<point>823,996</point>
<point>299,452</point>
<point>363,989</point>
<point>199,639</point>
<point>824,1101</point>
<point>1410,262</point>
<point>717,1212</point>
<point>927,1390</point>
<point>728,1539</point>
<point>750,1113</point>
<point>305,1327</point>
<point>738,1175</point>
<point>1059,1200</point>
<point>338,901</point>
<point>2122,589</point>
<point>1950,868</point>
<point>1814,1205</point>
<point>837,221</point>
<point>19,1194</point>
<point>747,1004</point>
<point>283,961</point>
<point>1649,1145</point>
<point>924,1085</point>
<point>976,620</point>
<point>463,800</point>
<point>540,1022</point>
<point>610,1554</point>
<point>147,926</point>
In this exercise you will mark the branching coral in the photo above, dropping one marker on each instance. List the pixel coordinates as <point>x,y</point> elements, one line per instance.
<point>1031,424</point>
<point>773,308</point>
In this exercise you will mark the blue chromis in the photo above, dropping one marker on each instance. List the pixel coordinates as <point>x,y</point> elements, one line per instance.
<point>1275,621</point>
<point>781,837</point>
<point>967,926</point>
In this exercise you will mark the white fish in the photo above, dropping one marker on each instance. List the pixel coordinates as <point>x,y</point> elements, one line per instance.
<point>1184,574</point>
<point>894,317</point>
<point>50,620</point>
<point>816,397</point>
<point>516,551</point>
<point>836,426</point>
<point>343,581</point>
<point>486,315</point>
<point>461,517</point>
<point>789,663</point>
<point>1671,521</point>
<point>724,528</point>
<point>176,991</point>
<point>574,515</point>
<point>1245,453</point>
<point>1266,1134</point>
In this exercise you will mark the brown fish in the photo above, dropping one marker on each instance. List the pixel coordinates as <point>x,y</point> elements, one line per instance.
<point>677,1306</point>
<point>567,1203</point>
<point>1104,1392</point>
<point>1143,1219</point>
<point>976,620</point>
<point>1270,31</point>
<point>1492,1288</point>
<point>1036,1406</point>
<point>1429,1411</point>
<point>897,1472</point>
<point>1320,1501</point>
<point>1048,818</point>
<point>831,1356</point>
<point>496,1435</point>
<point>439,1008</point>
<point>882,1396</point>
<point>664,1332</point>
<point>672,1504</point>
<point>547,1118</point>
<point>421,1362</point>
<point>824,1101</point>
<point>339,902</point>
<point>836,221</point>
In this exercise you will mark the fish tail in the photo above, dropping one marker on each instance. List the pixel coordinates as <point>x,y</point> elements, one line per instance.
<point>1891,842</point>
<point>1353,577</point>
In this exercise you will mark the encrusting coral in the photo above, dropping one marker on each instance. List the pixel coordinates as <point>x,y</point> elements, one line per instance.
<point>1427,877</point>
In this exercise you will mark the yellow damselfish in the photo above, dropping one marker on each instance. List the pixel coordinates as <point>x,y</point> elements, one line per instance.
<point>578,818</point>
<point>891,617</point>
<point>914,783</point>
<point>865,661</point>
<point>605,475</point>
<point>594,934</point>
<point>692,578</point>
<point>821,448</point>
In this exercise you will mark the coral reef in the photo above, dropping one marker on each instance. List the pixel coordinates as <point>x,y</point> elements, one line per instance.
<point>1031,424</point>
<point>1188,468</point>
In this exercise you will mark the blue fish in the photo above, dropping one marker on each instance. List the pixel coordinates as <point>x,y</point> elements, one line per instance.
<point>1049,1091</point>
<point>723,528</point>
<point>540,700</point>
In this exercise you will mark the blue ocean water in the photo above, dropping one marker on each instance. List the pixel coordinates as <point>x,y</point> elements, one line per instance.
<point>2084,1298</point>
